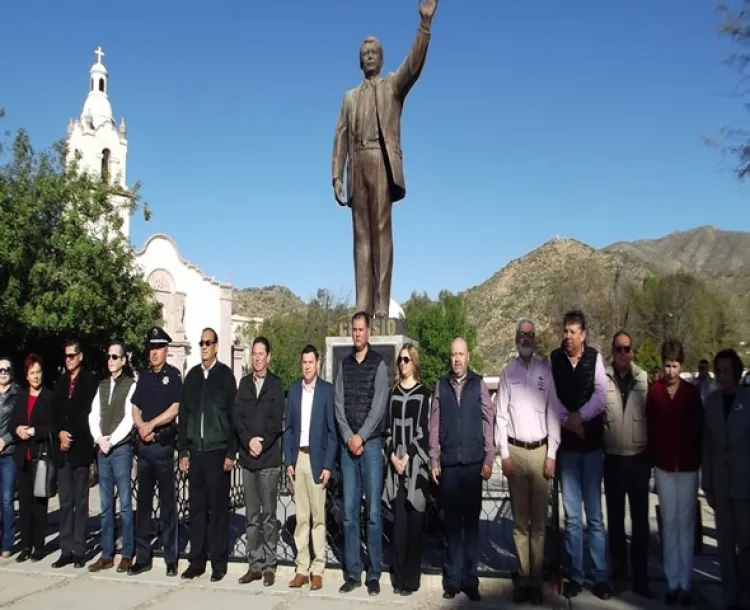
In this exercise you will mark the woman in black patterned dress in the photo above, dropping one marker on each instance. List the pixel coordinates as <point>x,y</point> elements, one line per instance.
<point>407,480</point>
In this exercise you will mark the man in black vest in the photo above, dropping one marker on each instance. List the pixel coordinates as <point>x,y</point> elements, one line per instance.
<point>156,402</point>
<point>581,384</point>
<point>207,442</point>
<point>74,447</point>
<point>462,451</point>
<point>360,401</point>
<point>111,422</point>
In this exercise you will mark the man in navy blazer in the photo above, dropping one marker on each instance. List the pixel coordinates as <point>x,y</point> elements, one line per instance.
<point>310,446</point>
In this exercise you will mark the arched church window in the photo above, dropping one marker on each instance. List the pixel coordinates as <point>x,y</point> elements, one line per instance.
<point>101,85</point>
<point>105,164</point>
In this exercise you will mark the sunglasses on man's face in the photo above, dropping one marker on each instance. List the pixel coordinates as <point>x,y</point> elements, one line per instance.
<point>622,349</point>
<point>404,359</point>
<point>114,356</point>
<point>71,356</point>
<point>4,370</point>
<point>207,343</point>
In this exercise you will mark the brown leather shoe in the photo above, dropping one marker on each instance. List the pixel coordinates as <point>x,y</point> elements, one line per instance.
<point>101,564</point>
<point>316,582</point>
<point>268,579</point>
<point>124,565</point>
<point>249,577</point>
<point>298,581</point>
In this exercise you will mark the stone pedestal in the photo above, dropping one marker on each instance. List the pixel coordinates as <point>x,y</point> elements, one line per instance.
<point>387,345</point>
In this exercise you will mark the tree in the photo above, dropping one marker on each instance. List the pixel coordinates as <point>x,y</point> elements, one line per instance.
<point>65,268</point>
<point>735,25</point>
<point>434,325</point>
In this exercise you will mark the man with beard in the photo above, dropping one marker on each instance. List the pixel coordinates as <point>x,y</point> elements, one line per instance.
<point>528,434</point>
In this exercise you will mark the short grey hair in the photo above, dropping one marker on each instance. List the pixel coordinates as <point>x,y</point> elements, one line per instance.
<point>524,321</point>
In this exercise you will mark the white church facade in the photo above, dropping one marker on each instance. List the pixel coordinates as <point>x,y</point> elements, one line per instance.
<point>190,299</point>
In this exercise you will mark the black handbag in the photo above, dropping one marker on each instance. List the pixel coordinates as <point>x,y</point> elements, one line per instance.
<point>45,472</point>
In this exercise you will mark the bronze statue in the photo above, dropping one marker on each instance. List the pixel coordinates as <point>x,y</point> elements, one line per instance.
<point>368,143</point>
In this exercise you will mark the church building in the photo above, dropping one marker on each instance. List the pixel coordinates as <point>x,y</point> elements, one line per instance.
<point>190,299</point>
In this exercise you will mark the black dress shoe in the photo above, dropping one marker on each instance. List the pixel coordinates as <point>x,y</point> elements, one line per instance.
<point>672,598</point>
<point>64,560</point>
<point>139,568</point>
<point>37,555</point>
<point>79,563</point>
<point>373,587</point>
<point>171,569</point>
<point>448,595</point>
<point>520,594</point>
<point>217,575</point>
<point>602,590</point>
<point>24,555</point>
<point>571,588</point>
<point>192,572</point>
<point>406,592</point>
<point>535,596</point>
<point>686,599</point>
<point>473,594</point>
<point>349,585</point>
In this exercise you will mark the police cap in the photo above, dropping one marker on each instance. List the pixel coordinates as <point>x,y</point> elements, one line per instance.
<point>158,337</point>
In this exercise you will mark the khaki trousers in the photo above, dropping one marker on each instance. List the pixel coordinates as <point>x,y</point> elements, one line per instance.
<point>309,501</point>
<point>529,500</point>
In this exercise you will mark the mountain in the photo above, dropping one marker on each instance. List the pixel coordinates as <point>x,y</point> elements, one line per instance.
<point>266,302</point>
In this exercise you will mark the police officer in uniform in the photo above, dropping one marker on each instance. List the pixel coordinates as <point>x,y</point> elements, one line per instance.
<point>155,405</point>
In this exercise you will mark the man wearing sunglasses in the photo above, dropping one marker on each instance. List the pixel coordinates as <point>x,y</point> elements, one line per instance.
<point>207,442</point>
<point>156,402</point>
<point>627,468</point>
<point>71,405</point>
<point>111,424</point>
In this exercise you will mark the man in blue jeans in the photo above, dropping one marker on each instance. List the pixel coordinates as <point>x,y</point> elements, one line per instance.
<point>581,383</point>
<point>111,423</point>
<point>360,400</point>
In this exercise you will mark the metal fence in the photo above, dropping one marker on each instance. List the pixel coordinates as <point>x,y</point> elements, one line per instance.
<point>496,524</point>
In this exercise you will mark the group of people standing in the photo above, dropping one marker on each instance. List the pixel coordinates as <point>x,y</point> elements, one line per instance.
<point>571,416</point>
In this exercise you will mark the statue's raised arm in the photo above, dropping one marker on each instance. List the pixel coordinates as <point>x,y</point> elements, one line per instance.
<point>409,71</point>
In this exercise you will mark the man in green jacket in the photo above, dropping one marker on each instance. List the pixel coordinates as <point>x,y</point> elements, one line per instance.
<point>208,449</point>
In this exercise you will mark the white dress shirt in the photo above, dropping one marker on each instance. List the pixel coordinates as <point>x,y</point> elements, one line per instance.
<point>123,428</point>
<point>526,410</point>
<point>308,393</point>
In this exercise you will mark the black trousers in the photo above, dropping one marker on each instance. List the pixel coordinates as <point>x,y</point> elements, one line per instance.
<point>408,526</point>
<point>32,511</point>
<point>209,509</point>
<point>628,476</point>
<point>461,492</point>
<point>73,490</point>
<point>156,464</point>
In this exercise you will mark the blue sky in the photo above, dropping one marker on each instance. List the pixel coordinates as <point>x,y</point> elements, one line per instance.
<point>582,119</point>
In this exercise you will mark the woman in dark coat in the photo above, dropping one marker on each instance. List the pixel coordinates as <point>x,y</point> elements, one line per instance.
<point>30,423</point>
<point>407,480</point>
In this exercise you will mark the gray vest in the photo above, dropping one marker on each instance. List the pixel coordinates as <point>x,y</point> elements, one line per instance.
<point>112,412</point>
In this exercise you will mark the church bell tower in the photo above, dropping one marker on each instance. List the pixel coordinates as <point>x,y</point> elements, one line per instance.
<point>103,145</point>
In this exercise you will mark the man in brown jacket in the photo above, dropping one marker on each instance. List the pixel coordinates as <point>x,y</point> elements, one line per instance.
<point>368,143</point>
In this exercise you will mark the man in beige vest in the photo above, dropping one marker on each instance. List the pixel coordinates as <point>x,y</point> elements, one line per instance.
<point>368,143</point>
<point>627,468</point>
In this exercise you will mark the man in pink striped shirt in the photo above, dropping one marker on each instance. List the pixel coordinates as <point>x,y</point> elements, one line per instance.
<point>528,434</point>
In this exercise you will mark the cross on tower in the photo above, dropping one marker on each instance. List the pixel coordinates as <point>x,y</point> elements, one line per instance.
<point>99,54</point>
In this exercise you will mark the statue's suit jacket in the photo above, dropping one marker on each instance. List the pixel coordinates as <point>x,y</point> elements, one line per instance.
<point>726,447</point>
<point>390,93</point>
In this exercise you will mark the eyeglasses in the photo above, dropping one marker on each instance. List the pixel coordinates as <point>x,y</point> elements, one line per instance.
<point>622,349</point>
<point>71,356</point>
<point>4,370</point>
<point>114,356</point>
<point>404,359</point>
<point>207,343</point>
<point>526,335</point>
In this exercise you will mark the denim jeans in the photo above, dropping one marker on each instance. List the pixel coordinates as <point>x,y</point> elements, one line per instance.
<point>363,473</point>
<point>581,479</point>
<point>7,481</point>
<point>115,471</point>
